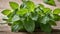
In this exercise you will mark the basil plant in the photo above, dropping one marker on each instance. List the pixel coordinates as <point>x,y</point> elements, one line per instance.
<point>29,16</point>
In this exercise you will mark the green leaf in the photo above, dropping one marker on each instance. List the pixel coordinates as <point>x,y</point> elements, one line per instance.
<point>14,5</point>
<point>22,11</point>
<point>52,23</point>
<point>30,5</point>
<point>56,17</point>
<point>15,18</point>
<point>50,2</point>
<point>51,15</point>
<point>56,11</point>
<point>29,24</point>
<point>46,10</point>
<point>45,19</point>
<point>45,27</point>
<point>16,26</point>
<point>25,0</point>
<point>22,6</point>
<point>6,12</point>
<point>34,16</point>
<point>11,15</point>
<point>39,11</point>
<point>41,6</point>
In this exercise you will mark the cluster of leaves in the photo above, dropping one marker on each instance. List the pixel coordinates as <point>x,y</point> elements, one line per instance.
<point>28,16</point>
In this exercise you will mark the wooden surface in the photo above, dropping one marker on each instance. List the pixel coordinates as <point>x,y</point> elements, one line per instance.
<point>27,33</point>
<point>4,4</point>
